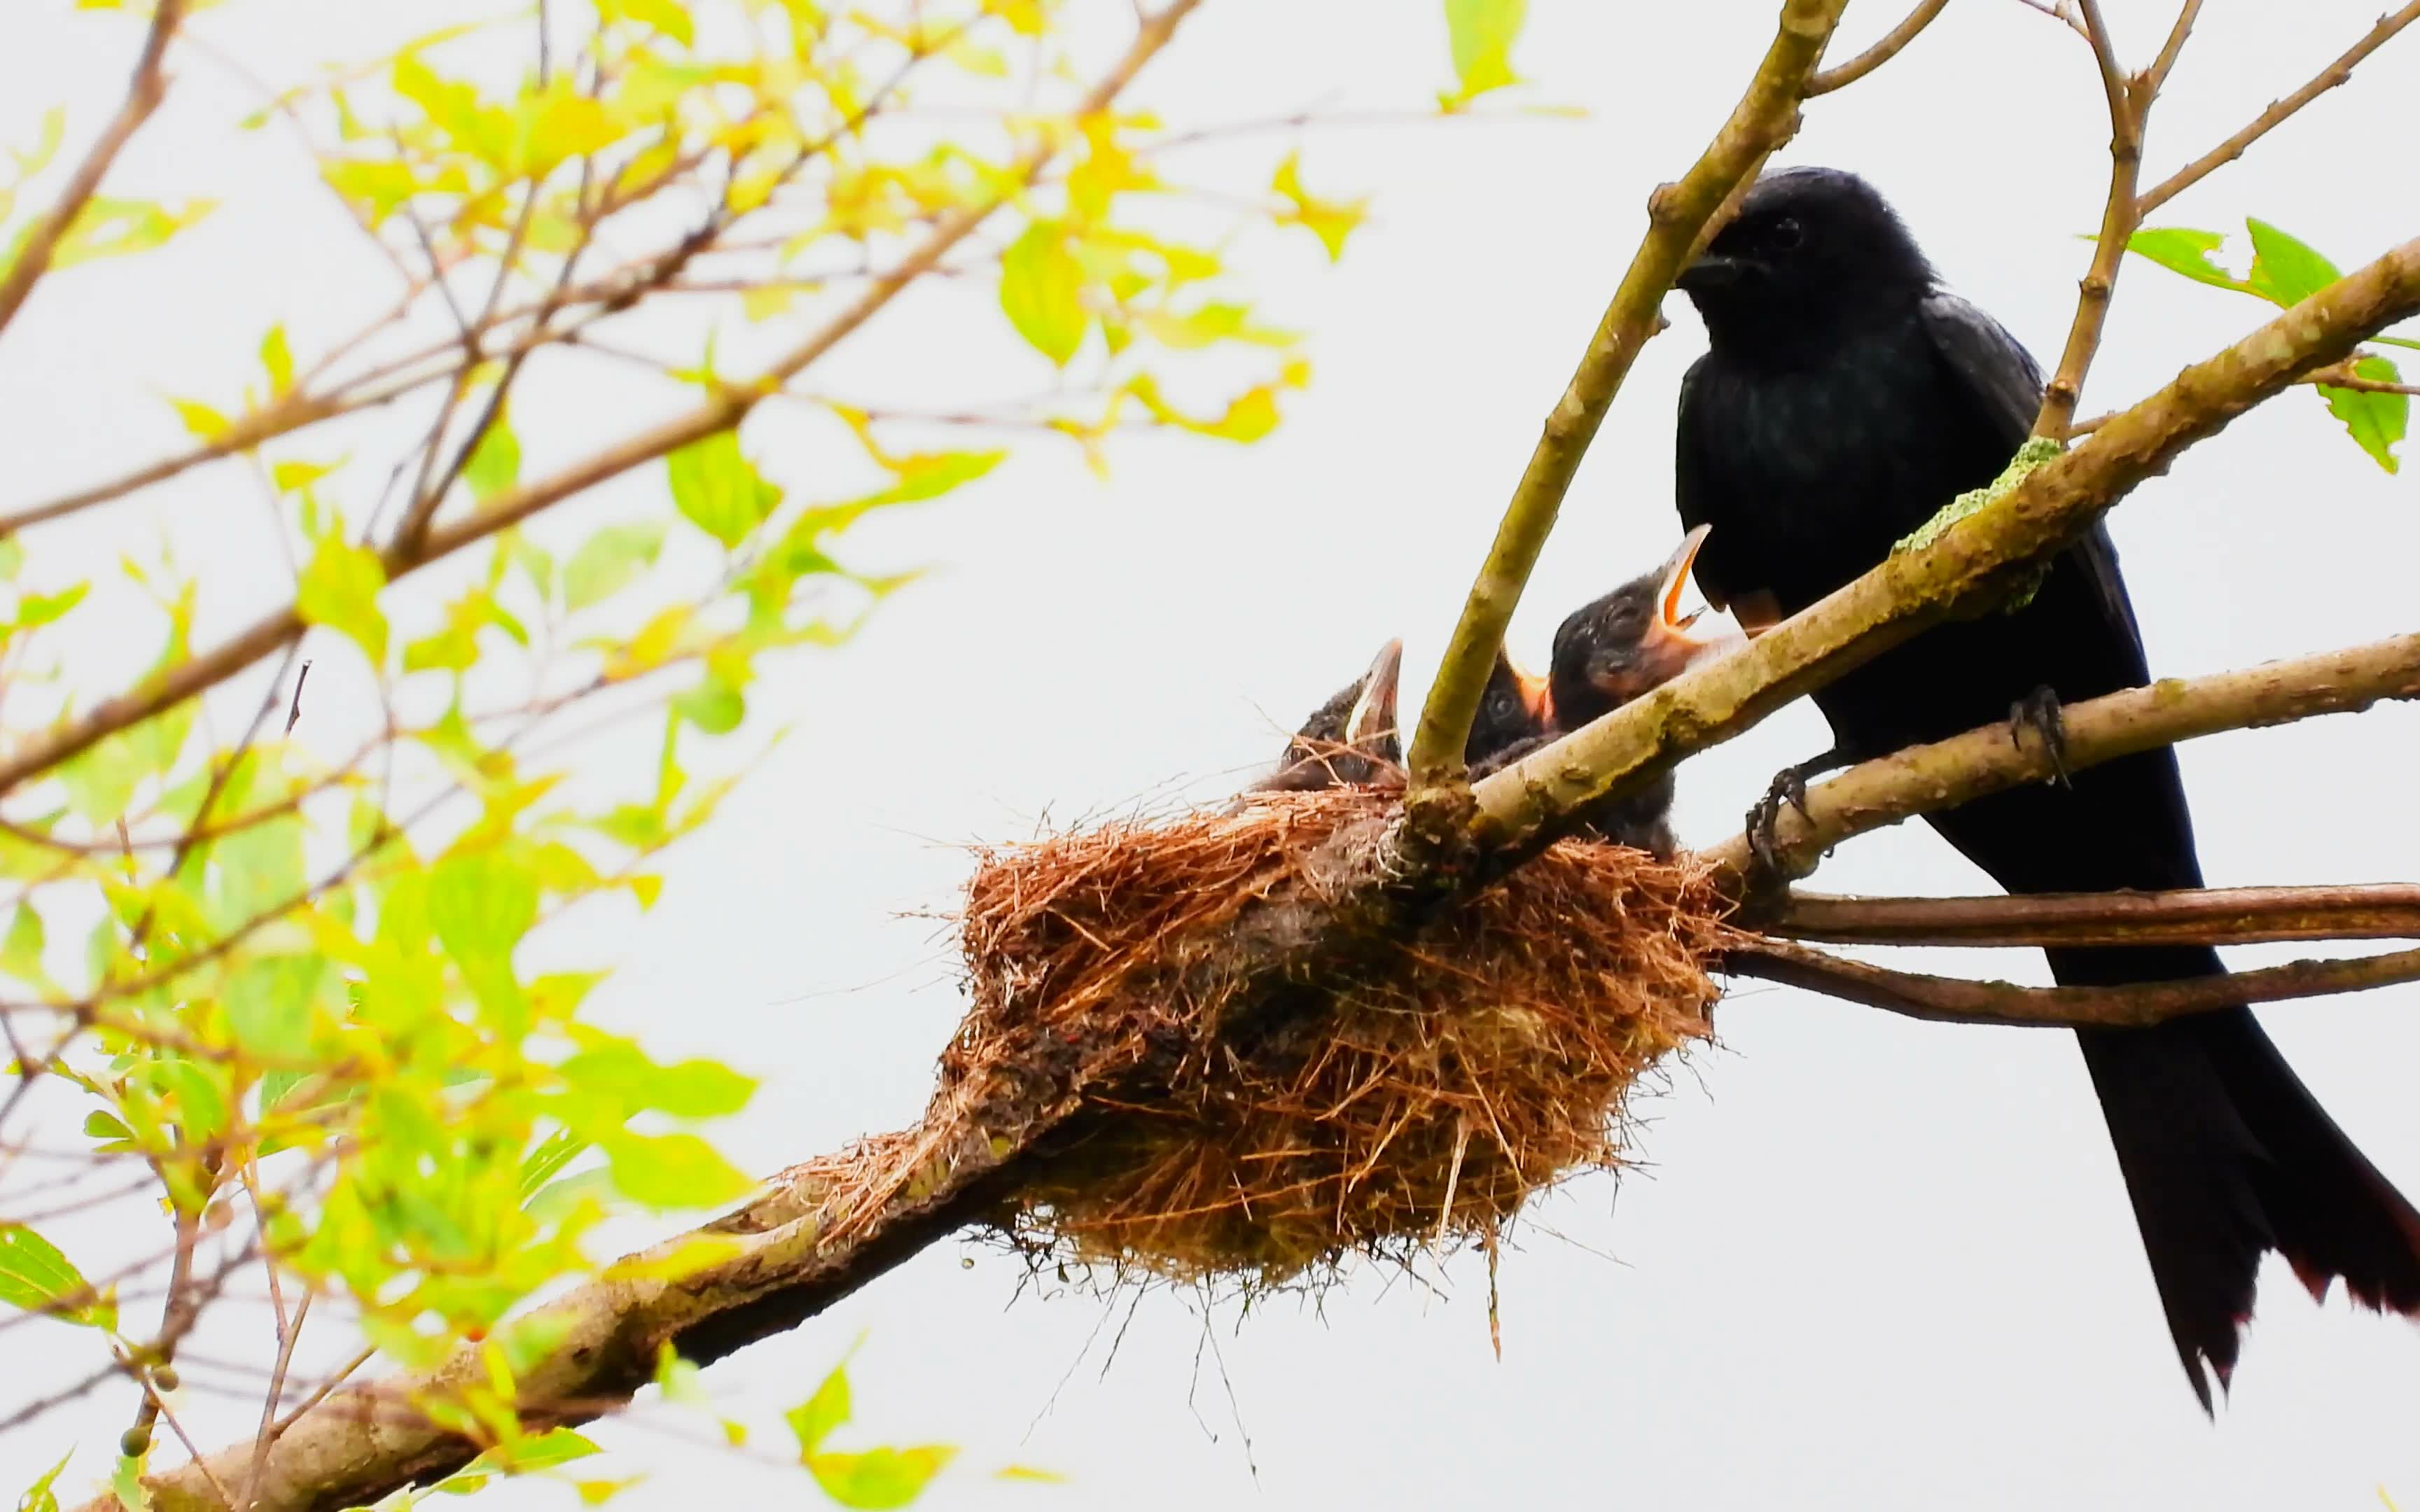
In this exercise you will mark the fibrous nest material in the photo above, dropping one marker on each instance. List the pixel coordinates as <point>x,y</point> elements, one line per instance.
<point>1267,1080</point>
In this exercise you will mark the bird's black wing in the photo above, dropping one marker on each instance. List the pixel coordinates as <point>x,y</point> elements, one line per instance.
<point>2006,385</point>
<point>1693,493</point>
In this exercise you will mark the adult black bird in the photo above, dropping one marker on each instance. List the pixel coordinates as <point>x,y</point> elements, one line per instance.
<point>1608,652</point>
<point>1351,741</point>
<point>1846,398</point>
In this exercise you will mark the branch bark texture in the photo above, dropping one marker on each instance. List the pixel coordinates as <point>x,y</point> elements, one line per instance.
<point>1923,779</point>
<point>2199,915</point>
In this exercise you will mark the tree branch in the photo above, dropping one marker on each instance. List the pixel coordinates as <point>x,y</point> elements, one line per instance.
<point>2198,916</point>
<point>143,96</point>
<point>1970,564</point>
<point>2130,106</point>
<point>727,406</point>
<point>1923,779</point>
<point>2268,120</point>
<point>2156,76</point>
<point>2135,1006</point>
<point>1881,52</point>
<point>1678,215</point>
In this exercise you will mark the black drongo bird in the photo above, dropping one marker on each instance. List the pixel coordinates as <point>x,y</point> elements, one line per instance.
<point>1845,399</point>
<point>1608,652</point>
<point>1351,740</point>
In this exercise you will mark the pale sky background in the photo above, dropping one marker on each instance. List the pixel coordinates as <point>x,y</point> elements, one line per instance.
<point>1874,1264</point>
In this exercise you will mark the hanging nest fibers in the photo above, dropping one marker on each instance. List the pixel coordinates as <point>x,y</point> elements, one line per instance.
<point>1245,1081</point>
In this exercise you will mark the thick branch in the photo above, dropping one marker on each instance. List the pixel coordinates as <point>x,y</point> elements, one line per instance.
<point>1677,215</point>
<point>725,409</point>
<point>143,96</point>
<point>2136,1005</point>
<point>2268,120</point>
<point>1970,564</point>
<point>2197,916</point>
<point>1881,52</point>
<point>1923,779</point>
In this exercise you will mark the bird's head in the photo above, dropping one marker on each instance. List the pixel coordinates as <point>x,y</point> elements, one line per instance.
<point>1632,641</point>
<point>1811,250</point>
<point>1350,738</point>
<point>1515,706</point>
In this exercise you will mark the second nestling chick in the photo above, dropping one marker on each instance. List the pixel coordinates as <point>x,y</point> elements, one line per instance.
<point>1351,741</point>
<point>1608,652</point>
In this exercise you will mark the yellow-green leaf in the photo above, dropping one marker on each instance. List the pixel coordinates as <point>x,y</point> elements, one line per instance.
<point>495,463</point>
<point>879,1478</point>
<point>1482,34</point>
<point>677,1171</point>
<point>339,589</point>
<point>716,489</point>
<point>2375,421</point>
<point>35,1276</point>
<point>1040,291</point>
<point>608,561</point>
<point>1330,220</point>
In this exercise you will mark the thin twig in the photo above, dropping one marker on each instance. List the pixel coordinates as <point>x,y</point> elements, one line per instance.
<point>1678,215</point>
<point>2156,76</point>
<point>2194,916</point>
<point>2129,104</point>
<point>1957,1000</point>
<point>143,96</point>
<point>2268,120</point>
<point>1881,52</point>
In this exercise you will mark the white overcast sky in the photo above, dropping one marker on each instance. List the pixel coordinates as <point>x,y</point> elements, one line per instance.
<point>1874,1264</point>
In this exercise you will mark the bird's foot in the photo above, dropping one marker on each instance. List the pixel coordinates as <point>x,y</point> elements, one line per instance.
<point>2039,712</point>
<point>2030,455</point>
<point>1789,786</point>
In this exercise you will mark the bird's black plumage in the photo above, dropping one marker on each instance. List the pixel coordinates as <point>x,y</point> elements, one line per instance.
<point>1351,740</point>
<point>1846,398</point>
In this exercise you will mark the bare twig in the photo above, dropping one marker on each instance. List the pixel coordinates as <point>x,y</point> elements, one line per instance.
<point>1881,52</point>
<point>2268,120</point>
<point>2341,375</point>
<point>1678,214</point>
<point>2213,915</point>
<point>1927,778</point>
<point>143,96</point>
<point>2129,104</point>
<point>2157,74</point>
<point>1977,560</point>
<point>1956,1000</point>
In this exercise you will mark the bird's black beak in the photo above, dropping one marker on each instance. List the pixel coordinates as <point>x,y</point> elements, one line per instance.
<point>1711,273</point>
<point>1688,638</point>
<point>1373,712</point>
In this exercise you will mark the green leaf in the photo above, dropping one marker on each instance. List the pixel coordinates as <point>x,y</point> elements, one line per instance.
<point>608,561</point>
<point>1481,33</point>
<point>277,361</point>
<point>686,1089</point>
<point>814,1420</point>
<point>42,608</point>
<point>717,489</point>
<point>495,463</point>
<point>480,905</point>
<point>38,1497</point>
<point>714,705</point>
<point>340,588</point>
<point>538,1451</point>
<point>879,1478</point>
<point>35,1276</point>
<point>542,1165</point>
<point>677,1170</point>
<point>109,227</point>
<point>2390,341</point>
<point>2285,270</point>
<point>126,1479</point>
<point>2182,249</point>
<point>2375,421</point>
<point>1040,291</point>
<point>269,1003</point>
<point>13,556</point>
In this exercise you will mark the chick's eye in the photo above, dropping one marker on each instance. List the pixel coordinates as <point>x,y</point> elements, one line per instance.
<point>1788,233</point>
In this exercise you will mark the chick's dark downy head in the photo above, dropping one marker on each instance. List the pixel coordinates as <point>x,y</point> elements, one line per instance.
<point>1629,642</point>
<point>1810,250</point>
<point>1350,739</point>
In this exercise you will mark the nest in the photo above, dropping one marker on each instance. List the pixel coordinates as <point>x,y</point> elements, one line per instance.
<point>1261,1083</point>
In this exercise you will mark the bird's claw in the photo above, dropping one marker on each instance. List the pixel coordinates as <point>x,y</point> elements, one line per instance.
<point>1789,786</point>
<point>2039,712</point>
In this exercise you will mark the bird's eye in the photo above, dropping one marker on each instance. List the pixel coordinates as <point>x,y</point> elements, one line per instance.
<point>1788,233</point>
